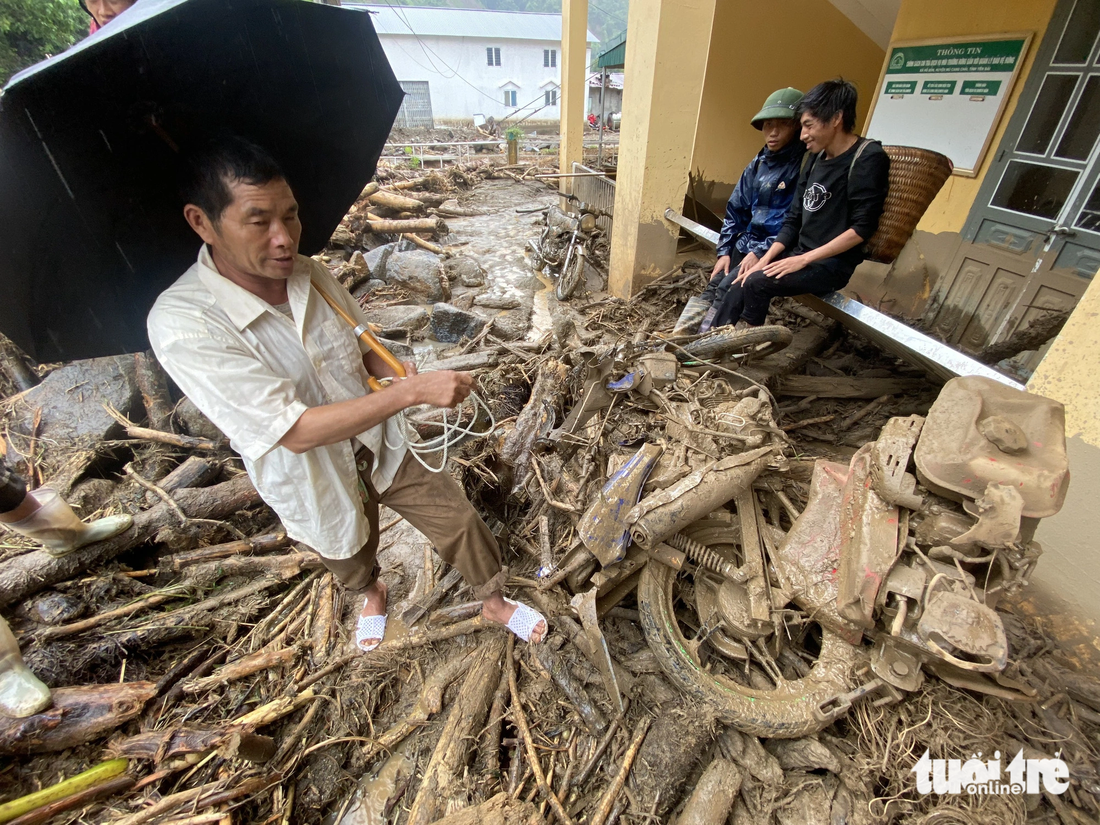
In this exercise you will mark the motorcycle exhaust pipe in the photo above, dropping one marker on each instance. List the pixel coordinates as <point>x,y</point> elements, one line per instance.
<point>695,496</point>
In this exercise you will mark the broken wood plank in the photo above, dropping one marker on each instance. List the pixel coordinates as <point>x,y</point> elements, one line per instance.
<point>837,387</point>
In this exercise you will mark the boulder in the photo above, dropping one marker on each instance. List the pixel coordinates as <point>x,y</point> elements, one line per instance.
<point>376,259</point>
<point>512,324</point>
<point>399,317</point>
<point>451,324</point>
<point>194,422</point>
<point>418,272</point>
<point>72,401</point>
<point>464,270</point>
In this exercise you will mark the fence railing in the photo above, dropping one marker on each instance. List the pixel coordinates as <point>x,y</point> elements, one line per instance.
<point>597,190</point>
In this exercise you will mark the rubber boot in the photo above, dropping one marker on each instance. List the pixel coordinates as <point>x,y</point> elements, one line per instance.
<point>708,320</point>
<point>21,692</point>
<point>60,530</point>
<point>689,319</point>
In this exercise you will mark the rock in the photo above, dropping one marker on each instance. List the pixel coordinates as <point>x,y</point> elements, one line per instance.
<point>399,317</point>
<point>367,288</point>
<point>464,301</point>
<point>418,272</point>
<point>451,324</point>
<point>194,422</point>
<point>358,265</point>
<point>464,270</point>
<point>376,259</point>
<point>512,325</point>
<point>342,237</point>
<point>72,403</point>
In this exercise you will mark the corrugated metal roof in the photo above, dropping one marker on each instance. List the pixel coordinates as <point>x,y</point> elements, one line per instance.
<point>448,22</point>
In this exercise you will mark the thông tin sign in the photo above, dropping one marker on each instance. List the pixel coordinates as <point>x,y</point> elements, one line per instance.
<point>947,95</point>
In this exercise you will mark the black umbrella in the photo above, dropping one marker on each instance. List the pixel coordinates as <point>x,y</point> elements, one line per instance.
<point>91,229</point>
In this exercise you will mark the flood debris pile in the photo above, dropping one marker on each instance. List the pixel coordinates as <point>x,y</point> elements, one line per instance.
<point>649,493</point>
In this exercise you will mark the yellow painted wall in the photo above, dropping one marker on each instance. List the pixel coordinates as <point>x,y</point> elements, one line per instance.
<point>920,19</point>
<point>756,48</point>
<point>1070,372</point>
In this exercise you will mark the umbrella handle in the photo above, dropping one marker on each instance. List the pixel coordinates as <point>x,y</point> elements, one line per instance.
<point>365,335</point>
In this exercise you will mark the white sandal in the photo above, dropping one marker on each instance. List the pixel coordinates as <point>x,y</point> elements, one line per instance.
<point>524,621</point>
<point>370,627</point>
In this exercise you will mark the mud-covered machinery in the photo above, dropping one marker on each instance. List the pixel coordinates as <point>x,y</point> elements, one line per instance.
<point>783,619</point>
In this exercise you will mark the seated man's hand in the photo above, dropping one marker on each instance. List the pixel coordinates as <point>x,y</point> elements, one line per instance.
<point>786,266</point>
<point>445,388</point>
<point>722,267</point>
<point>748,264</point>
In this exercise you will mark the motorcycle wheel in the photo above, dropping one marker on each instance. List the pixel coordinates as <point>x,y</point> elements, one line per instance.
<point>786,709</point>
<point>726,341</point>
<point>572,272</point>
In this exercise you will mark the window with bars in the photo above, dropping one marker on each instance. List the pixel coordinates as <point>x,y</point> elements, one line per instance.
<point>550,58</point>
<point>550,97</point>
<point>510,97</point>
<point>492,55</point>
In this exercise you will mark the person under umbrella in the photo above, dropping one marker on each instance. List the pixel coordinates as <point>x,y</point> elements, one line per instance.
<point>103,12</point>
<point>249,335</point>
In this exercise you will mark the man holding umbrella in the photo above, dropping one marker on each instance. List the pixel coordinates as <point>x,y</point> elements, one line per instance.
<point>248,335</point>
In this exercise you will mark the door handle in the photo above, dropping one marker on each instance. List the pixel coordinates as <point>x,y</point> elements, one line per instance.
<point>1064,231</point>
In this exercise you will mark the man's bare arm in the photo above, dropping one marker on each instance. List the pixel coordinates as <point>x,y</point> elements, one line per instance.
<point>333,423</point>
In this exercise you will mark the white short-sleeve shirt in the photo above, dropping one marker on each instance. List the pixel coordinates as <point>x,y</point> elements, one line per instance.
<point>253,371</point>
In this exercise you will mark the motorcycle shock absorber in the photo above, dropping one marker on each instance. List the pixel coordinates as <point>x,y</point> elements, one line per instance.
<point>706,557</point>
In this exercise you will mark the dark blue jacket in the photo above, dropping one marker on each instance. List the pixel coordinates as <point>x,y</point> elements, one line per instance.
<point>759,203</point>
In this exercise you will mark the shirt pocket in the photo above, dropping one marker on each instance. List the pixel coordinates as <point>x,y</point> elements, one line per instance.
<point>340,349</point>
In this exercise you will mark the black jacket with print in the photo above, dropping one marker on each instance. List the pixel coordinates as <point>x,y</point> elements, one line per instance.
<point>834,196</point>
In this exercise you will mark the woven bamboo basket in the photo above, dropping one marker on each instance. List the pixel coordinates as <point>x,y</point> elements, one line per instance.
<point>916,176</point>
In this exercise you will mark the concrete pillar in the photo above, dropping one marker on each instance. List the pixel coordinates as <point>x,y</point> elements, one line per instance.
<point>667,45</point>
<point>574,89</point>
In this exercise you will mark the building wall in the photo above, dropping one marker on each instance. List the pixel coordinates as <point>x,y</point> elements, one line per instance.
<point>1068,574</point>
<point>905,287</point>
<point>447,63</point>
<point>918,19</point>
<point>756,48</point>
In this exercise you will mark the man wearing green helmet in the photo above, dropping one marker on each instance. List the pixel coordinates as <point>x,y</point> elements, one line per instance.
<point>755,211</point>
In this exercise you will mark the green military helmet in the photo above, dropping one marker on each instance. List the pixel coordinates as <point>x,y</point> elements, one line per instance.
<point>783,103</point>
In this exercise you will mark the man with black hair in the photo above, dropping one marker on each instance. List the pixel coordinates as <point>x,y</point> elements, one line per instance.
<point>249,335</point>
<point>836,210</point>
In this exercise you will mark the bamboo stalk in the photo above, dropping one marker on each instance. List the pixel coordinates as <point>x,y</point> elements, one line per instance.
<point>73,785</point>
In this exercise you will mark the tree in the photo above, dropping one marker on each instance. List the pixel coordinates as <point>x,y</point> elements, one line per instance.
<point>32,30</point>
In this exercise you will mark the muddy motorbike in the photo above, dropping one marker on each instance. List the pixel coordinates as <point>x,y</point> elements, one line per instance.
<point>782,618</point>
<point>567,242</point>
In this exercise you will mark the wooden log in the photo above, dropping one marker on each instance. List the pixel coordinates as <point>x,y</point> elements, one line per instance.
<point>266,543</point>
<point>188,442</point>
<point>428,704</point>
<point>829,386</point>
<point>281,567</point>
<point>398,203</point>
<point>680,736</point>
<point>535,421</point>
<point>245,666</point>
<point>435,226</point>
<point>558,671</point>
<point>321,634</point>
<point>428,198</point>
<point>466,717</point>
<point>77,715</point>
<point>29,573</point>
<point>500,810</point>
<point>711,801</point>
<point>163,745</point>
<point>144,603</point>
<point>194,472</point>
<point>423,244</point>
<point>153,385</point>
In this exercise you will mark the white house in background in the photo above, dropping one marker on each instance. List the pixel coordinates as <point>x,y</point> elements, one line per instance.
<point>455,63</point>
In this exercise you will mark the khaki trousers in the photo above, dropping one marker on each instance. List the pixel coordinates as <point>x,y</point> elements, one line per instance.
<point>436,506</point>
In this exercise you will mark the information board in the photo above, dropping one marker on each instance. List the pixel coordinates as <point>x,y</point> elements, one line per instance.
<point>947,95</point>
